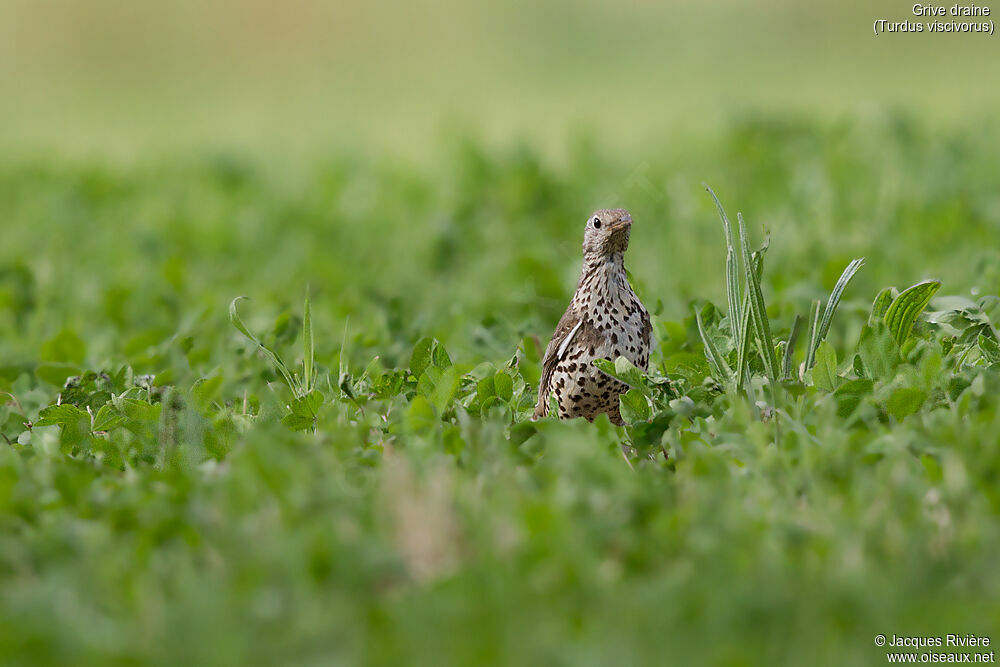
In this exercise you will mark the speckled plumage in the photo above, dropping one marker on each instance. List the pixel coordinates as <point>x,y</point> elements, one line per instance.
<point>604,320</point>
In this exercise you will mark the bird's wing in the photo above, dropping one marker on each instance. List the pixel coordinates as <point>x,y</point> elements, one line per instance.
<point>567,329</point>
<point>647,332</point>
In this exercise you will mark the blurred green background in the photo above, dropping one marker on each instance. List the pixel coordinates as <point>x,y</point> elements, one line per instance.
<point>122,78</point>
<point>425,168</point>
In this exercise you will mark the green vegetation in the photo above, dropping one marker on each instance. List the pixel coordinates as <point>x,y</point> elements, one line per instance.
<point>358,480</point>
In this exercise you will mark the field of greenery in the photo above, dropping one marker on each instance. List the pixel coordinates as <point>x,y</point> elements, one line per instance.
<point>342,469</point>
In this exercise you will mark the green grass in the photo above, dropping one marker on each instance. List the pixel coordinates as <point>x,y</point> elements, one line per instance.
<point>370,488</point>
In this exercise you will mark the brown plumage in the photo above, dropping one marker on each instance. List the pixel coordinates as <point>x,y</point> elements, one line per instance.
<point>604,320</point>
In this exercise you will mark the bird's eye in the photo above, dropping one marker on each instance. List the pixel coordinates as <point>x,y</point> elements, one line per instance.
<point>597,223</point>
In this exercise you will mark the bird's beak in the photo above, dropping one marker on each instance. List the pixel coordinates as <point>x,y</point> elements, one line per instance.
<point>621,224</point>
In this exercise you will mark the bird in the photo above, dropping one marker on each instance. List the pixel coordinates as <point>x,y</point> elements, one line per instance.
<point>604,320</point>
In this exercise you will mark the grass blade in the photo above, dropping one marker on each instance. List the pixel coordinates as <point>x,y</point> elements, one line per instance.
<point>834,301</point>
<point>733,294</point>
<point>758,311</point>
<point>747,330</point>
<point>744,343</point>
<point>793,338</point>
<point>275,360</point>
<point>813,333</point>
<point>343,376</point>
<point>720,369</point>
<point>732,272</point>
<point>308,351</point>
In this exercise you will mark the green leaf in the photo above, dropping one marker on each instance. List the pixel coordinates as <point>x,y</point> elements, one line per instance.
<point>504,386</point>
<point>440,386</point>
<point>824,373</point>
<point>62,415</point>
<point>905,308</point>
<point>107,418</point>
<point>303,411</point>
<point>420,358</point>
<point>878,351</point>
<point>881,304</point>
<point>486,389</point>
<point>137,411</point>
<point>74,426</point>
<point>990,349</point>
<point>206,390</point>
<point>389,384</point>
<point>428,380</point>
<point>850,394</point>
<point>11,423</point>
<point>445,389</point>
<point>298,422</point>
<point>494,390</point>
<point>626,371</point>
<point>858,366</point>
<point>440,356</point>
<point>634,406</point>
<point>905,401</point>
<point>420,416</point>
<point>521,432</point>
<point>605,366</point>
<point>308,405</point>
<point>623,369</point>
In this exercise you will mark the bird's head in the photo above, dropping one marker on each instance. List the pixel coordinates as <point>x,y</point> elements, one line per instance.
<point>607,232</point>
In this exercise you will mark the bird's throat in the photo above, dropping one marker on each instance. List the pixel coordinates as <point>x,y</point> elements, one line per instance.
<point>602,278</point>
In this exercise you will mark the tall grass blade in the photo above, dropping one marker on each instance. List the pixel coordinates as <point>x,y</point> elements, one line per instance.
<point>744,344</point>
<point>732,272</point>
<point>343,376</point>
<point>717,362</point>
<point>793,338</point>
<point>308,351</point>
<point>813,333</point>
<point>279,365</point>
<point>834,301</point>
<point>758,311</point>
<point>733,294</point>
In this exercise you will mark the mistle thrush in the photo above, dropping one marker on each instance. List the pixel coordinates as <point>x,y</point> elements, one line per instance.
<point>604,320</point>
